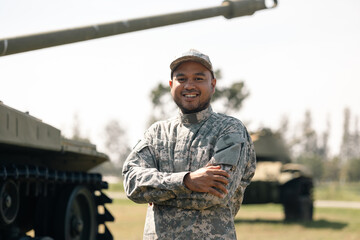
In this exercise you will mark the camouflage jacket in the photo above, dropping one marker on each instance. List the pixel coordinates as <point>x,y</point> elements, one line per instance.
<point>154,172</point>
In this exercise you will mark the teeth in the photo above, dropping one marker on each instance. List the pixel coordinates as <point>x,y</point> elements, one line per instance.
<point>190,96</point>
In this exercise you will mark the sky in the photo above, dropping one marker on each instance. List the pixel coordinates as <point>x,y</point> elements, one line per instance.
<point>302,55</point>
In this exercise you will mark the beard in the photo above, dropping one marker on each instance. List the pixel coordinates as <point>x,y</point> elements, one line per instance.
<point>192,108</point>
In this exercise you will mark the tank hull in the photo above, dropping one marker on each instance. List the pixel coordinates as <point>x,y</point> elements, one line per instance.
<point>45,185</point>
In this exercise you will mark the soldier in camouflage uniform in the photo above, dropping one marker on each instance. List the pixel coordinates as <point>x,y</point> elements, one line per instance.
<point>192,169</point>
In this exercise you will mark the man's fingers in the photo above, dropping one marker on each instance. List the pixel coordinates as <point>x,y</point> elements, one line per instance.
<point>215,193</point>
<point>221,179</point>
<point>220,187</point>
<point>219,173</point>
<point>210,179</point>
<point>216,170</point>
<point>222,173</point>
<point>209,166</point>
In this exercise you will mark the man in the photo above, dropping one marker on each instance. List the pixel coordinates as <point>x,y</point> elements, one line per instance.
<point>192,169</point>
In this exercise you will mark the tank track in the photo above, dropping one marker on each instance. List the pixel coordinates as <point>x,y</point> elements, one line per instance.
<point>35,183</point>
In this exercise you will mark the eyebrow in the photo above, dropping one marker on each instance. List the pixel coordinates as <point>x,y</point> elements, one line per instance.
<point>179,75</point>
<point>200,74</point>
<point>197,74</point>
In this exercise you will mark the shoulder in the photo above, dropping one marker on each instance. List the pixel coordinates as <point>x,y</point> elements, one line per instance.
<point>163,124</point>
<point>226,121</point>
<point>160,127</point>
<point>229,125</point>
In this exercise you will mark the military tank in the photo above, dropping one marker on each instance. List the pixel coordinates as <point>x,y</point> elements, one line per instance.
<point>278,180</point>
<point>45,184</point>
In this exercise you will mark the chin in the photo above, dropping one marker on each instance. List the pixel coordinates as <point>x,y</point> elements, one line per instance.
<point>192,110</point>
<point>187,111</point>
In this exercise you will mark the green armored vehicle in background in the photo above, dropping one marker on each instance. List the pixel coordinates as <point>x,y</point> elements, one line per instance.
<point>277,180</point>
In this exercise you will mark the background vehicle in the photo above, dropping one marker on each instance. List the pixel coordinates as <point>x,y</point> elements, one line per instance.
<point>277,180</point>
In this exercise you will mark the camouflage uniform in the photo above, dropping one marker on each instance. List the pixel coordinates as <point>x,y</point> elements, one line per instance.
<point>155,169</point>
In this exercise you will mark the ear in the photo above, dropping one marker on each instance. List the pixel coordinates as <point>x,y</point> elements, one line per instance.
<point>213,84</point>
<point>170,83</point>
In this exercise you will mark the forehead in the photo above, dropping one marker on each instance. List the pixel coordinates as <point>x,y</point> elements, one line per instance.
<point>191,67</point>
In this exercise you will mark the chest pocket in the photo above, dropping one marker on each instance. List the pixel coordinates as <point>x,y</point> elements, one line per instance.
<point>201,157</point>
<point>165,155</point>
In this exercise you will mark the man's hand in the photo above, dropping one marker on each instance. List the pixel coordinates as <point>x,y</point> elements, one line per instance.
<point>211,179</point>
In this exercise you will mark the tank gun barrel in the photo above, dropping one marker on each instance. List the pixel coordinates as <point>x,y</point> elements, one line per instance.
<point>229,9</point>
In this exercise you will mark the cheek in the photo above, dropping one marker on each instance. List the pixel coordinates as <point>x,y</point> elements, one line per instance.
<point>174,91</point>
<point>209,89</point>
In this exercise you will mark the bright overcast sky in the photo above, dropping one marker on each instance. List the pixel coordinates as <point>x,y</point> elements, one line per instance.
<point>304,54</point>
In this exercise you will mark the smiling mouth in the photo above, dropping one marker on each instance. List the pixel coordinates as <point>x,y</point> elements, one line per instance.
<point>190,95</point>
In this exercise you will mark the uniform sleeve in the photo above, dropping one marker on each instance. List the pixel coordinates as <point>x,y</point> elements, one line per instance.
<point>143,183</point>
<point>235,153</point>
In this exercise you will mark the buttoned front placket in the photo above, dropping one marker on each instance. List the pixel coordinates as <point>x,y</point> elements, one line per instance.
<point>182,156</point>
<point>186,133</point>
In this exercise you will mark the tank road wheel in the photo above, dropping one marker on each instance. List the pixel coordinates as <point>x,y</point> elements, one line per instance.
<point>75,217</point>
<point>9,202</point>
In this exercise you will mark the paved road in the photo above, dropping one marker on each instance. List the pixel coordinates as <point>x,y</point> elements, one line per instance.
<point>337,204</point>
<point>318,203</point>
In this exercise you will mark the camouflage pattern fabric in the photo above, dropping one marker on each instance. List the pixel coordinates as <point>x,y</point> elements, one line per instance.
<point>155,169</point>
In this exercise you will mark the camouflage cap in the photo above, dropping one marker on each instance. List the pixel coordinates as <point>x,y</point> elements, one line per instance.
<point>192,55</point>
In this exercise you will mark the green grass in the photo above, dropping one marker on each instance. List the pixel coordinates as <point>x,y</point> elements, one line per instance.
<point>129,219</point>
<point>338,192</point>
<point>116,187</point>
<point>253,222</point>
<point>264,221</point>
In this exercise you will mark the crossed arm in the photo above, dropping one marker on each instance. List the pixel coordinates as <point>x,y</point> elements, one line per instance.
<point>209,179</point>
<point>208,186</point>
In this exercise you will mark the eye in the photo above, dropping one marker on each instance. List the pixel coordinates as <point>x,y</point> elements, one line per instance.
<point>181,79</point>
<point>199,79</point>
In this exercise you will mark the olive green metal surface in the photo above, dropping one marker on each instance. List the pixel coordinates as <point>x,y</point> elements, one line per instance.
<point>229,9</point>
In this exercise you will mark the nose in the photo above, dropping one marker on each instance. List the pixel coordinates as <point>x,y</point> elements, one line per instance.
<point>189,85</point>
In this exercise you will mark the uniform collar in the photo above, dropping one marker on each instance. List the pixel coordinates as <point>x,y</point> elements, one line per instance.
<point>193,118</point>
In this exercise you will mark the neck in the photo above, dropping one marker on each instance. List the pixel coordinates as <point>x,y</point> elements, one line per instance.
<point>196,117</point>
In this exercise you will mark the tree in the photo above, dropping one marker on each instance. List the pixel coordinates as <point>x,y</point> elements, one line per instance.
<point>332,170</point>
<point>116,143</point>
<point>229,98</point>
<point>310,146</point>
<point>76,130</point>
<point>116,147</point>
<point>350,146</point>
<point>162,103</point>
<point>232,97</point>
<point>310,152</point>
<point>345,151</point>
<point>313,162</point>
<point>353,169</point>
<point>350,149</point>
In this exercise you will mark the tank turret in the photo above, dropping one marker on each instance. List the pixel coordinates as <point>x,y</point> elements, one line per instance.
<point>278,180</point>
